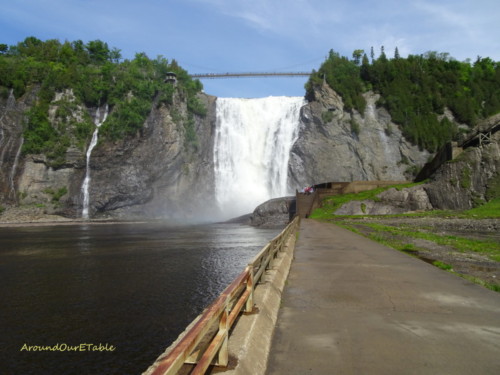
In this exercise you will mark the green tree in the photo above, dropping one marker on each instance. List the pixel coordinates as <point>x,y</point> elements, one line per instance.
<point>396,53</point>
<point>357,54</point>
<point>98,51</point>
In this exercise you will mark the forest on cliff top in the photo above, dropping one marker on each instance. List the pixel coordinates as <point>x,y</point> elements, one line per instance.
<point>416,90</point>
<point>96,75</point>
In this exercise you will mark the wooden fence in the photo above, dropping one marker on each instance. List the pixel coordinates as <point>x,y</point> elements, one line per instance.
<point>202,344</point>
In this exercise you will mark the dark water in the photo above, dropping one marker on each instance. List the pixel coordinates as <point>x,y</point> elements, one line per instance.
<point>131,286</point>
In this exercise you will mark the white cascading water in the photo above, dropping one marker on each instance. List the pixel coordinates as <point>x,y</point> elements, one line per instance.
<point>14,166</point>
<point>252,149</point>
<point>86,182</point>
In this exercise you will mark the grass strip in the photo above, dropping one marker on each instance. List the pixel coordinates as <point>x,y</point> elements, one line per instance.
<point>462,244</point>
<point>409,248</point>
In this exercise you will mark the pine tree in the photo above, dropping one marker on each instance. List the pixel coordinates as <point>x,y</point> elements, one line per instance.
<point>365,68</point>
<point>382,56</point>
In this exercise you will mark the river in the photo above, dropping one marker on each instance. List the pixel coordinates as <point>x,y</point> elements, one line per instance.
<point>131,287</point>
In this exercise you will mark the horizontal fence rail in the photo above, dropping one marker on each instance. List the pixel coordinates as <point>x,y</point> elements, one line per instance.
<point>222,313</point>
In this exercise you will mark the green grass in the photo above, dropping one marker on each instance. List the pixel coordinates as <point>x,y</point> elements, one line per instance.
<point>332,203</point>
<point>490,209</point>
<point>443,266</point>
<point>387,235</point>
<point>462,244</point>
<point>473,279</point>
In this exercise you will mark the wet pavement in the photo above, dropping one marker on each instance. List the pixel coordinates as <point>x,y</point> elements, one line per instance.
<point>353,306</point>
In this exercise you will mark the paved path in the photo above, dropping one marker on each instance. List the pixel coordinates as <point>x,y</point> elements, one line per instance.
<point>353,306</point>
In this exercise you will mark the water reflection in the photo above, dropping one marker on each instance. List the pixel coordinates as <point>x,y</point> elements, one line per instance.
<point>134,286</point>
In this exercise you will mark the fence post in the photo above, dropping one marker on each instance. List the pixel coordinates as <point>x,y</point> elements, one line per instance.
<point>223,354</point>
<point>249,303</point>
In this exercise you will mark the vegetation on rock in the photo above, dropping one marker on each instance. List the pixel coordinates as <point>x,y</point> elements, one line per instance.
<point>416,90</point>
<point>95,75</point>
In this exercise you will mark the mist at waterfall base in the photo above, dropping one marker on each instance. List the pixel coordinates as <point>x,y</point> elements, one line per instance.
<point>132,286</point>
<point>252,148</point>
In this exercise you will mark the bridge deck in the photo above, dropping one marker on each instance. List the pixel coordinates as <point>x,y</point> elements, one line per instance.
<point>353,306</point>
<point>250,75</point>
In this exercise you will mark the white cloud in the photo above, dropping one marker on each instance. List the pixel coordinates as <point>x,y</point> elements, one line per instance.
<point>291,18</point>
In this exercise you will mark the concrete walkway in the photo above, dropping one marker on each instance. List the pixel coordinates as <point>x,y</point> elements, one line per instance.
<point>353,306</point>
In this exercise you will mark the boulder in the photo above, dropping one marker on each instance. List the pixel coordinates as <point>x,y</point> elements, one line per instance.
<point>274,213</point>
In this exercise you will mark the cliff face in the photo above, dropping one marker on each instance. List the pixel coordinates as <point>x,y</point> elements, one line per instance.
<point>162,172</point>
<point>468,180</point>
<point>11,141</point>
<point>156,173</point>
<point>338,145</point>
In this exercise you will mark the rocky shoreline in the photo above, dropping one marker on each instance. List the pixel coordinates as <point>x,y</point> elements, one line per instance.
<point>30,216</point>
<point>35,216</point>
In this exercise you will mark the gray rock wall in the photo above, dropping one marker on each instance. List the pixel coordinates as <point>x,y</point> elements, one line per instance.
<point>11,140</point>
<point>463,183</point>
<point>338,145</point>
<point>155,174</point>
<point>468,180</point>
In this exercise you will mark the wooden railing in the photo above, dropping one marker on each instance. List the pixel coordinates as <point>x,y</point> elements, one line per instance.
<point>222,313</point>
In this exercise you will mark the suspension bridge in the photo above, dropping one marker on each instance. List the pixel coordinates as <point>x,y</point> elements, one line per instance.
<point>249,75</point>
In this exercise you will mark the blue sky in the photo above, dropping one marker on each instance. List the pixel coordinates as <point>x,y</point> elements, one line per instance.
<point>260,35</point>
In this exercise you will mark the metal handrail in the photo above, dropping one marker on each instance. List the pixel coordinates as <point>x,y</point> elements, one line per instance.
<point>224,310</point>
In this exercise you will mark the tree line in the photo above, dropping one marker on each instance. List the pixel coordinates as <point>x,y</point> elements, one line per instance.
<point>416,90</point>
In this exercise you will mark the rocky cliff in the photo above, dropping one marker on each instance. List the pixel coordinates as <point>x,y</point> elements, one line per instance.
<point>469,180</point>
<point>11,141</point>
<point>158,173</point>
<point>339,145</point>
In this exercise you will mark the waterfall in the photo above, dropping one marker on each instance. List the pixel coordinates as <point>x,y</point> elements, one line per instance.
<point>11,102</point>
<point>252,148</point>
<point>14,166</point>
<point>86,182</point>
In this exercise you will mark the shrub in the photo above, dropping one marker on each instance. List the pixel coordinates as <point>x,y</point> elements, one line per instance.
<point>327,116</point>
